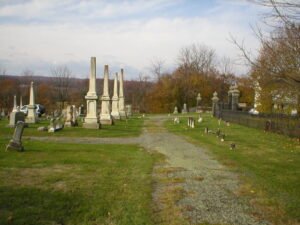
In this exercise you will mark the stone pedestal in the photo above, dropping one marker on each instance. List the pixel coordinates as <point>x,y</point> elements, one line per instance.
<point>105,116</point>
<point>31,116</point>
<point>115,100</point>
<point>121,96</point>
<point>91,119</point>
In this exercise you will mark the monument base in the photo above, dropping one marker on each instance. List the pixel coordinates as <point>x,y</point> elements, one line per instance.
<point>91,125</point>
<point>106,122</point>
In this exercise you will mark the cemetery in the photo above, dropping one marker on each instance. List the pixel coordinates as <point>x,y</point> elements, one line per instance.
<point>101,137</point>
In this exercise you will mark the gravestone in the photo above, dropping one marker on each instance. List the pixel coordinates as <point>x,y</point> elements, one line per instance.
<point>15,115</point>
<point>215,104</point>
<point>16,143</point>
<point>129,110</point>
<point>52,126</point>
<point>175,110</point>
<point>69,116</point>
<point>74,117</point>
<point>198,99</point>
<point>184,110</point>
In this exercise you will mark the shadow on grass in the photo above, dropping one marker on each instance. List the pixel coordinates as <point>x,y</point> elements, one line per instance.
<point>26,205</point>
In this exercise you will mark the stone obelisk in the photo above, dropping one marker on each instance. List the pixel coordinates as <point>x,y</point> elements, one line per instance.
<point>121,96</point>
<point>105,116</point>
<point>15,108</point>
<point>115,100</point>
<point>31,116</point>
<point>91,120</point>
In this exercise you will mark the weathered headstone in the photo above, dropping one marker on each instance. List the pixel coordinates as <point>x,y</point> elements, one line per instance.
<point>184,110</point>
<point>52,126</point>
<point>69,116</point>
<point>74,117</point>
<point>15,115</point>
<point>129,110</point>
<point>198,109</point>
<point>215,104</point>
<point>91,119</point>
<point>175,110</point>
<point>105,116</point>
<point>16,142</point>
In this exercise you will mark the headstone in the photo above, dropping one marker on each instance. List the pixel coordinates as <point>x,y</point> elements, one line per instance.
<point>52,126</point>
<point>175,110</point>
<point>235,93</point>
<point>206,130</point>
<point>42,128</point>
<point>15,115</point>
<point>74,117</point>
<point>81,110</point>
<point>176,120</point>
<point>215,104</point>
<point>31,116</point>
<point>184,110</point>
<point>129,110</point>
<point>121,96</point>
<point>91,119</point>
<point>192,123</point>
<point>16,142</point>
<point>105,116</point>
<point>2,113</point>
<point>232,146</point>
<point>115,100</point>
<point>200,119</point>
<point>198,109</point>
<point>69,116</point>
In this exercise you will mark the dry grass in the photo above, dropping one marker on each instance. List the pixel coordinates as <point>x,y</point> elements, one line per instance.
<point>168,191</point>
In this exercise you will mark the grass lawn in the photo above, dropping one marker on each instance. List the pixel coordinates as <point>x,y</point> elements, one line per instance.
<point>269,164</point>
<point>73,184</point>
<point>122,128</point>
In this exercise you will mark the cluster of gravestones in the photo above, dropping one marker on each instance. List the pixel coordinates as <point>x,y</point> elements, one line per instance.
<point>111,108</point>
<point>191,122</point>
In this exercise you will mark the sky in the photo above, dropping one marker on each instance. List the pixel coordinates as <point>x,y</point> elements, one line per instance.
<point>38,35</point>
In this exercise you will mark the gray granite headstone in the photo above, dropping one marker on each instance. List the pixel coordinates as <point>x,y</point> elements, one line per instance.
<point>15,143</point>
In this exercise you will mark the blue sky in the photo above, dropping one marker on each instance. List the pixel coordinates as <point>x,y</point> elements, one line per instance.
<point>39,34</point>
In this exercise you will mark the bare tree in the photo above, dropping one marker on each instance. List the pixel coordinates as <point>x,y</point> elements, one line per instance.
<point>279,56</point>
<point>196,58</point>
<point>62,78</point>
<point>156,68</point>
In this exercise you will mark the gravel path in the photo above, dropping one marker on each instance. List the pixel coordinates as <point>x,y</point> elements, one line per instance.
<point>210,186</point>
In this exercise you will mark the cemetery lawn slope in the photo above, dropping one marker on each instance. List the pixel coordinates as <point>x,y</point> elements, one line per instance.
<point>53,183</point>
<point>123,128</point>
<point>269,164</point>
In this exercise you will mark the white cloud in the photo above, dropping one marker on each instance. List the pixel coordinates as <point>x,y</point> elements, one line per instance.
<point>131,42</point>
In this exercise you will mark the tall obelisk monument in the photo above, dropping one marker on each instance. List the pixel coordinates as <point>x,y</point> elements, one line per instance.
<point>105,116</point>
